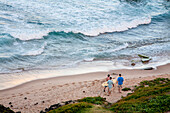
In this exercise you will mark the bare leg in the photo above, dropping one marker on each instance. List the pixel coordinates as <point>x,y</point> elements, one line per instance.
<point>104,89</point>
<point>108,92</point>
<point>119,89</point>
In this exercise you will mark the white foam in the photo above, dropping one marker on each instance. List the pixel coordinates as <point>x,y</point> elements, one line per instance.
<point>121,47</point>
<point>35,52</point>
<point>124,26</point>
<point>97,30</point>
<point>88,59</point>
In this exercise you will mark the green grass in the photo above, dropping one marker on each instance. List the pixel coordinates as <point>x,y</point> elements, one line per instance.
<point>153,98</point>
<point>94,100</point>
<point>72,108</point>
<point>95,109</point>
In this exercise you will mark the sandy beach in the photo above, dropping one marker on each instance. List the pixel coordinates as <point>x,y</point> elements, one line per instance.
<point>34,96</point>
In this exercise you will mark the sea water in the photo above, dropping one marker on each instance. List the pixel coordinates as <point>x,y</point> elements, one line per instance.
<point>67,34</point>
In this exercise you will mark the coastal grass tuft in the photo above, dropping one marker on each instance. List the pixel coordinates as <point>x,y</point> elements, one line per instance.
<point>72,108</point>
<point>94,100</point>
<point>149,96</point>
<point>126,89</point>
<point>95,109</point>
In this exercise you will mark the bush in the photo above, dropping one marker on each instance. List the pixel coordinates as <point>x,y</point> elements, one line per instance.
<point>5,109</point>
<point>94,100</point>
<point>72,108</point>
<point>126,89</point>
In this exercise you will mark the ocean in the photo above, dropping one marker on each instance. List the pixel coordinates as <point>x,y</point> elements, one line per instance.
<point>97,35</point>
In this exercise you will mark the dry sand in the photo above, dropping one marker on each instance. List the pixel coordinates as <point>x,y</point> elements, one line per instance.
<point>34,96</point>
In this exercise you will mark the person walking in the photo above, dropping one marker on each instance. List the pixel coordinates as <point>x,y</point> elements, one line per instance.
<point>120,83</point>
<point>108,78</point>
<point>110,85</point>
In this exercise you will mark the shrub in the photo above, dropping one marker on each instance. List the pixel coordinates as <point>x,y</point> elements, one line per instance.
<point>72,108</point>
<point>5,109</point>
<point>94,100</point>
<point>126,89</point>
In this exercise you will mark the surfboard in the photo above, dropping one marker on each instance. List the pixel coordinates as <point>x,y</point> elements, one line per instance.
<point>105,83</point>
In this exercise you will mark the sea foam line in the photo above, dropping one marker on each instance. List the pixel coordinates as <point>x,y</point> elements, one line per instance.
<point>32,34</point>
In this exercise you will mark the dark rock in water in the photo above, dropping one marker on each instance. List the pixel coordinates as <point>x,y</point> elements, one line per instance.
<point>25,98</point>
<point>133,64</point>
<point>143,56</point>
<point>10,102</point>
<point>43,101</point>
<point>149,68</point>
<point>11,106</point>
<point>145,60</point>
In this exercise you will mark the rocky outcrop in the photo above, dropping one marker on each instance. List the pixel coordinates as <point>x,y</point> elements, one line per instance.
<point>4,109</point>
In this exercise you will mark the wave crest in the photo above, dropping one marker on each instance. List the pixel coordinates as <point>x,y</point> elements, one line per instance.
<point>124,26</point>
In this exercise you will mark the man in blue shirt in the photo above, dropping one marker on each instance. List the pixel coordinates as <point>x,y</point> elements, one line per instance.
<point>120,82</point>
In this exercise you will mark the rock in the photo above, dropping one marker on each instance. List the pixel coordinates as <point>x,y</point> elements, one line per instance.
<point>43,101</point>
<point>42,111</point>
<point>149,68</point>
<point>67,102</point>
<point>133,64</point>
<point>83,91</point>
<point>46,109</point>
<point>143,56</point>
<point>114,74</point>
<point>25,98</point>
<point>11,106</point>
<point>36,103</point>
<point>55,106</point>
<point>145,60</point>
<point>18,112</point>
<point>10,102</point>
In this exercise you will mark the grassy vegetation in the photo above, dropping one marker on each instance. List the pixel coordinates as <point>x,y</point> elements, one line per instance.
<point>72,108</point>
<point>95,109</point>
<point>149,97</point>
<point>5,109</point>
<point>126,89</point>
<point>94,100</point>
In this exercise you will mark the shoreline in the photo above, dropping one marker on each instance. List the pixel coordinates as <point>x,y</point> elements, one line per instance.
<point>37,95</point>
<point>94,76</point>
